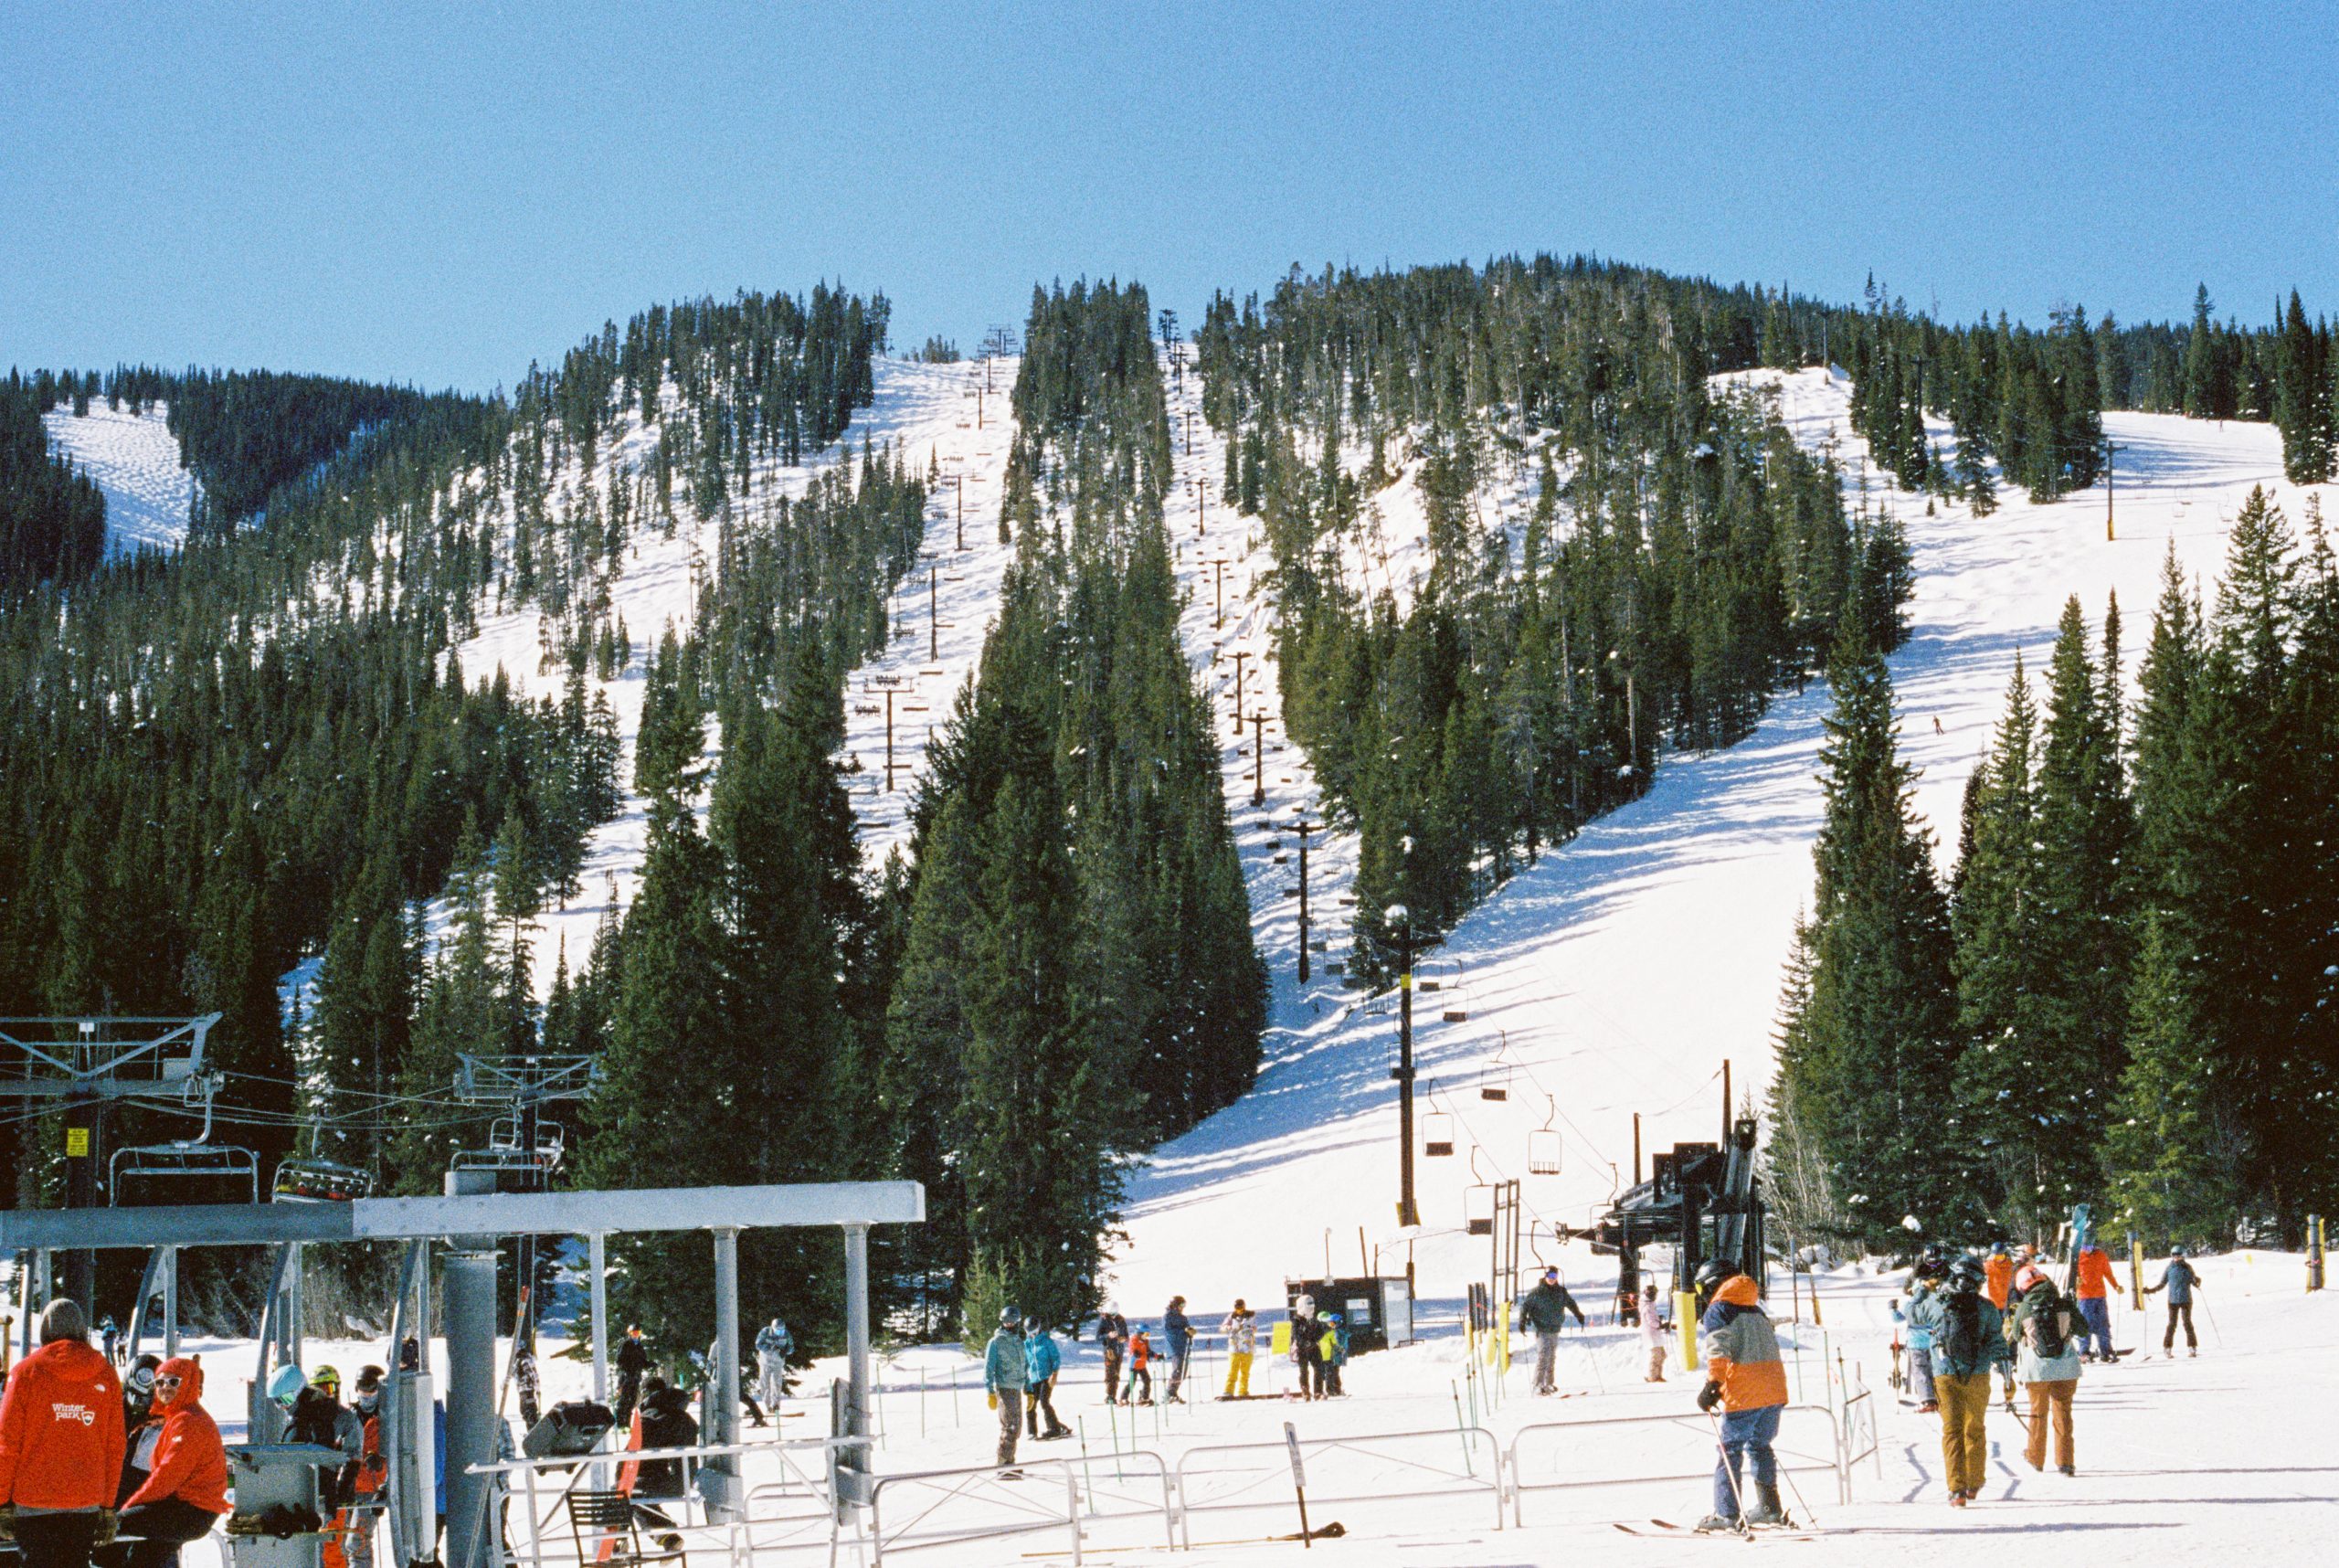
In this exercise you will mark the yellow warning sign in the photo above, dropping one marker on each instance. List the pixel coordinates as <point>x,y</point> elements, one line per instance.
<point>76,1142</point>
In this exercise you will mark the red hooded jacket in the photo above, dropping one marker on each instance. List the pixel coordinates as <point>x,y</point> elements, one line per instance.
<point>60,1429</point>
<point>190,1464</point>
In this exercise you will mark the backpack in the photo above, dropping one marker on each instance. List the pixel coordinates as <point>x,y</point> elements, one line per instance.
<point>2052,1327</point>
<point>1961,1335</point>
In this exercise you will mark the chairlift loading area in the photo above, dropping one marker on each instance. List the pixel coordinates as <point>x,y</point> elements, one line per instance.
<point>468,1226</point>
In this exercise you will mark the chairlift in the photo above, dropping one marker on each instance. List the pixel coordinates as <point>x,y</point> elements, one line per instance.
<point>1479,1201</point>
<point>1543,1145</point>
<point>1494,1078</point>
<point>193,1157</point>
<point>310,1179</point>
<point>1437,1133</point>
<point>552,1139</point>
<point>1458,1010</point>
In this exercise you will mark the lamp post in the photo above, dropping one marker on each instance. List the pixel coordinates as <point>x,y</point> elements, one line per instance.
<point>1398,918</point>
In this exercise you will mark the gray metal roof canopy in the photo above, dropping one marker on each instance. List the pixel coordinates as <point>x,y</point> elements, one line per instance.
<point>470,1222</point>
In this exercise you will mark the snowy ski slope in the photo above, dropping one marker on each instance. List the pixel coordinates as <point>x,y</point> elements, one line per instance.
<point>1623,969</point>
<point>929,409</point>
<point>134,459</point>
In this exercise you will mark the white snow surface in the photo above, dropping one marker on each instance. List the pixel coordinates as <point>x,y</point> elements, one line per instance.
<point>134,459</point>
<point>1617,975</point>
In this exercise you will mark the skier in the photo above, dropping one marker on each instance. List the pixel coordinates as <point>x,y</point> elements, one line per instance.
<point>60,1445</point>
<point>186,1488</point>
<point>1918,1343</point>
<point>773,1345</point>
<point>2180,1279</point>
<point>1180,1333</point>
<point>1113,1339</point>
<point>1654,1331</point>
<point>1545,1309</point>
<point>1042,1361</point>
<point>111,1336</point>
<point>1746,1378</point>
<point>1004,1375</point>
<point>2096,1282</point>
<point>633,1359</point>
<point>1241,1332</point>
<point>320,1417</point>
<point>2045,1330</point>
<point>666,1422</point>
<point>1305,1350</point>
<point>373,1470</point>
<point>1968,1341</point>
<point>1335,1350</point>
<point>1140,1369</point>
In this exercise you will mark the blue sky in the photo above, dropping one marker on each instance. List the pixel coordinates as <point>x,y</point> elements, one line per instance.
<point>441,193</point>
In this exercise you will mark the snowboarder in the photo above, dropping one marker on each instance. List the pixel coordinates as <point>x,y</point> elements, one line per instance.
<point>60,1445</point>
<point>1005,1373</point>
<point>1969,1339</point>
<point>1113,1339</point>
<point>2047,1360</point>
<point>1042,1361</point>
<point>1655,1330</point>
<point>773,1345</point>
<point>1179,1331</point>
<point>1241,1332</point>
<point>1306,1351</point>
<point>633,1360</point>
<point>1545,1309</point>
<point>2096,1282</point>
<point>2180,1279</point>
<point>1745,1377</point>
<point>1140,1369</point>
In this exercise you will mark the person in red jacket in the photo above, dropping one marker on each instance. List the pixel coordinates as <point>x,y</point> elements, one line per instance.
<point>186,1490</point>
<point>2096,1282</point>
<point>60,1445</point>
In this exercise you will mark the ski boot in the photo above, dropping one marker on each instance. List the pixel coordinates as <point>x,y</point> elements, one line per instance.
<point>1721,1524</point>
<point>1766,1508</point>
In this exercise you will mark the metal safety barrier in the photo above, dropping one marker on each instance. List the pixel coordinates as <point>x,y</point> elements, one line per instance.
<point>1791,1462</point>
<point>1365,1467</point>
<point>1015,1499</point>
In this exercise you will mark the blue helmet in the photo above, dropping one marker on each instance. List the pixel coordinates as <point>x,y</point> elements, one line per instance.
<point>285,1385</point>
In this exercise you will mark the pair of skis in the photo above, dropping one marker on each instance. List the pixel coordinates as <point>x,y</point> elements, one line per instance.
<point>1665,1528</point>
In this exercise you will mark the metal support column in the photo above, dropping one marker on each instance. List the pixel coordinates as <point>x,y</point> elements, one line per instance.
<point>722,1484</point>
<point>468,1281</point>
<point>170,1302</point>
<point>598,1254</point>
<point>854,1463</point>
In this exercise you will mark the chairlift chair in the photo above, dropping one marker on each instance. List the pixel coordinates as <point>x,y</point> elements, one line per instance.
<point>313,1178</point>
<point>1494,1078</point>
<point>193,1157</point>
<point>1543,1145</point>
<point>1479,1201</point>
<point>1437,1133</point>
<point>1458,1010</point>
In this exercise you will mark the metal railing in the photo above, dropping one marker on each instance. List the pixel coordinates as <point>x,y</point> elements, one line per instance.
<point>1013,1499</point>
<point>1791,1461</point>
<point>1365,1467</point>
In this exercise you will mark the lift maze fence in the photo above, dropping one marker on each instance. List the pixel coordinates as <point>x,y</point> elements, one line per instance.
<point>1068,1504</point>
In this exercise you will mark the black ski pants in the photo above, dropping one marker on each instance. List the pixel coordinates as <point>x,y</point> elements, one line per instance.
<point>2175,1310</point>
<point>1038,1400</point>
<point>56,1540</point>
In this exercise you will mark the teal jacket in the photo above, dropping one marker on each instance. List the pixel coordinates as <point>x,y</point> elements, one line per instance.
<point>1004,1365</point>
<point>1041,1357</point>
<point>1987,1348</point>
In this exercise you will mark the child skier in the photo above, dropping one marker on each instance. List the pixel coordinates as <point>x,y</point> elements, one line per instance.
<point>1140,1369</point>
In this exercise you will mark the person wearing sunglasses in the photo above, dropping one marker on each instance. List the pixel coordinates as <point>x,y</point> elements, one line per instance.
<point>185,1491</point>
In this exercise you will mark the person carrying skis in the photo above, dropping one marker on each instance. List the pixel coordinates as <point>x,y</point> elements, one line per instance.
<point>1241,1332</point>
<point>60,1445</point>
<point>2096,1282</point>
<point>1545,1309</point>
<point>1140,1369</point>
<point>773,1345</point>
<point>1042,1362</point>
<point>1969,1339</point>
<point>1179,1331</point>
<point>2047,1360</point>
<point>1745,1377</point>
<point>633,1360</point>
<point>2180,1279</point>
<point>1656,1332</point>
<point>1113,1339</point>
<point>1005,1373</point>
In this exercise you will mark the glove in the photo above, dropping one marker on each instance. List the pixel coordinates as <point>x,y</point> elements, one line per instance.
<point>108,1523</point>
<point>994,1401</point>
<point>1709,1396</point>
<point>8,1521</point>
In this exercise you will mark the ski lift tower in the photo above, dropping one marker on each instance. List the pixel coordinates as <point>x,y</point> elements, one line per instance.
<point>518,1156</point>
<point>87,1063</point>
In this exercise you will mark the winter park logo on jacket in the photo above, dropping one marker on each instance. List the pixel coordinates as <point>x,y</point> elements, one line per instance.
<point>60,1411</point>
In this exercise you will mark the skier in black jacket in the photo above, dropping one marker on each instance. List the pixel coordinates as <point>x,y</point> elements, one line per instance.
<point>1545,1309</point>
<point>1113,1339</point>
<point>633,1360</point>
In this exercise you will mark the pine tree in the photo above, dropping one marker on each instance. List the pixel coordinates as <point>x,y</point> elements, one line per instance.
<point>2172,1151</point>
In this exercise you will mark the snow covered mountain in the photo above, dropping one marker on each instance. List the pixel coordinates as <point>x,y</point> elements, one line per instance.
<point>134,459</point>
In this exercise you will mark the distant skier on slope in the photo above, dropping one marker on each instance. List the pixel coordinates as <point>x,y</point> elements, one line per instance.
<point>1656,1332</point>
<point>2180,1279</point>
<point>1545,1309</point>
<point>1005,1373</point>
<point>1179,1331</point>
<point>773,1345</point>
<point>1113,1339</point>
<point>1745,1377</point>
<point>1969,1339</point>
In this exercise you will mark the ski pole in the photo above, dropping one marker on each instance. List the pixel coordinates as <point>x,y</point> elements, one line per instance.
<point>2211,1311</point>
<point>1729,1470</point>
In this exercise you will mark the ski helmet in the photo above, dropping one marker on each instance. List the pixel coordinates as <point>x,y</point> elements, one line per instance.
<point>327,1378</point>
<point>1009,1317</point>
<point>285,1386</point>
<point>2176,1252</point>
<point>1965,1274</point>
